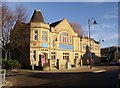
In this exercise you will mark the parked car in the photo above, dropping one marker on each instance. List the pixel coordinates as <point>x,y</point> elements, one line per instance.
<point>114,63</point>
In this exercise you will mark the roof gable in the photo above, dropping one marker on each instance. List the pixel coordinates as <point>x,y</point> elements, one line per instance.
<point>64,25</point>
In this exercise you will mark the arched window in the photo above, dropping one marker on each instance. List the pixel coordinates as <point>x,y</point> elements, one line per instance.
<point>65,38</point>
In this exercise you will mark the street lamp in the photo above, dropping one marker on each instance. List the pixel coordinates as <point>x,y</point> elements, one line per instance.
<point>54,41</point>
<point>81,60</point>
<point>89,37</point>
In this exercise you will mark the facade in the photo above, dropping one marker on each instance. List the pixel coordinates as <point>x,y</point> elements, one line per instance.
<point>57,46</point>
<point>110,53</point>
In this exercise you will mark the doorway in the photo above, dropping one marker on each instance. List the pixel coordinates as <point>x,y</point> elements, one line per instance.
<point>42,59</point>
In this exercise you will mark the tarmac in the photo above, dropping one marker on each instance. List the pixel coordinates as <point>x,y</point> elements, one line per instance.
<point>7,83</point>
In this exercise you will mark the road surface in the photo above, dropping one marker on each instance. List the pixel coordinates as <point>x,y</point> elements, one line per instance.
<point>103,77</point>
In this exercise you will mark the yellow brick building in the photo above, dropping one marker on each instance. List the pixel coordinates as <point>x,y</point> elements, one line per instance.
<point>56,45</point>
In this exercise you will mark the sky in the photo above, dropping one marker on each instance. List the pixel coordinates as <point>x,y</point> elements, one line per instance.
<point>105,13</point>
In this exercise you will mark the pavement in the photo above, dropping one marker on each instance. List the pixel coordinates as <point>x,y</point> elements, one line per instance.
<point>73,69</point>
<point>9,83</point>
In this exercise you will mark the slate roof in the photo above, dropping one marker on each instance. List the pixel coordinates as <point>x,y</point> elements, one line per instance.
<point>37,16</point>
<point>55,23</point>
<point>86,37</point>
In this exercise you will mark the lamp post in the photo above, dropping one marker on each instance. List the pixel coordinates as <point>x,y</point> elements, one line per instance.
<point>89,36</point>
<point>81,60</point>
<point>54,40</point>
<point>54,46</point>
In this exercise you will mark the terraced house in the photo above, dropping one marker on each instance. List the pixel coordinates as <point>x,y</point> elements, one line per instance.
<point>56,45</point>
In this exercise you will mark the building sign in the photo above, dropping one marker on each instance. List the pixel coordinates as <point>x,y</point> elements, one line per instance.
<point>44,45</point>
<point>66,47</point>
<point>43,49</point>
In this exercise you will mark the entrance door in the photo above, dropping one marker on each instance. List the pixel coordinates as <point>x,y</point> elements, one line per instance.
<point>40,63</point>
<point>41,60</point>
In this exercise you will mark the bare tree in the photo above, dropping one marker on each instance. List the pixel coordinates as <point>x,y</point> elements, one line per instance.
<point>9,18</point>
<point>21,13</point>
<point>7,23</point>
<point>77,28</point>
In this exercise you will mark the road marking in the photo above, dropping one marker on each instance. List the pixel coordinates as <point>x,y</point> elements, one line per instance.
<point>99,71</point>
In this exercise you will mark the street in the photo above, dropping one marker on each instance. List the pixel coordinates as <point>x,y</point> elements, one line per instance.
<point>103,79</point>
<point>100,76</point>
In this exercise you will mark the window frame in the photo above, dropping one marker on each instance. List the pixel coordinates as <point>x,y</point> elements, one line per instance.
<point>84,46</point>
<point>34,55</point>
<point>44,36</point>
<point>35,35</point>
<point>76,55</point>
<point>65,38</point>
<point>53,55</point>
<point>65,56</point>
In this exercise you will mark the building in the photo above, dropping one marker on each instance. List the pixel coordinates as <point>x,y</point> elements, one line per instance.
<point>20,43</point>
<point>110,53</point>
<point>56,45</point>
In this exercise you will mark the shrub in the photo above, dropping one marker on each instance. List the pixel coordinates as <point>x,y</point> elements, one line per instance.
<point>10,64</point>
<point>15,64</point>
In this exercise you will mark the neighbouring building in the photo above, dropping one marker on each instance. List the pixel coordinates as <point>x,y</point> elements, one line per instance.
<point>110,53</point>
<point>53,46</point>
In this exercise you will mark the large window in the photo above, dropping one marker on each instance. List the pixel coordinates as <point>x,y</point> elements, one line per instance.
<point>66,56</point>
<point>35,35</point>
<point>44,36</point>
<point>65,38</point>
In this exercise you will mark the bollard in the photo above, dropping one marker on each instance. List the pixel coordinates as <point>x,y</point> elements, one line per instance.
<point>4,73</point>
<point>0,79</point>
<point>32,66</point>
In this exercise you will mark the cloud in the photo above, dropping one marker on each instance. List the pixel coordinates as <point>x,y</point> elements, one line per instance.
<point>111,36</point>
<point>102,28</point>
<point>105,31</point>
<point>113,14</point>
<point>106,36</point>
<point>108,16</point>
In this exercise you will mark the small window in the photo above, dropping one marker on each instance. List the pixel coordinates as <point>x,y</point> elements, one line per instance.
<point>44,36</point>
<point>36,35</point>
<point>76,55</point>
<point>53,55</point>
<point>66,56</point>
<point>84,46</point>
<point>34,55</point>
